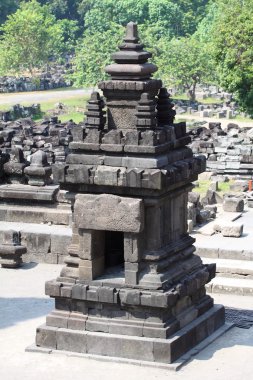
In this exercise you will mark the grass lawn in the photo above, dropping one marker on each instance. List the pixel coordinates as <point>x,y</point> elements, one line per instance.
<point>223,187</point>
<point>245,119</point>
<point>202,101</point>
<point>75,107</point>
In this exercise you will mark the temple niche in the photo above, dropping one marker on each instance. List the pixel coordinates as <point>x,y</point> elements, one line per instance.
<point>131,286</point>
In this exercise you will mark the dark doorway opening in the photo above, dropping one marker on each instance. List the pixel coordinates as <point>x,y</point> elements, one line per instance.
<point>114,249</point>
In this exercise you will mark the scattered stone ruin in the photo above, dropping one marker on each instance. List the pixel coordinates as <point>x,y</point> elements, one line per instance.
<point>131,286</point>
<point>31,203</point>
<point>50,135</point>
<point>228,151</point>
<point>52,77</point>
<point>18,111</point>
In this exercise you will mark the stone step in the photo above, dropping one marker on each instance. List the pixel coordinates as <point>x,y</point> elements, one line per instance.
<point>36,214</point>
<point>226,285</point>
<point>28,193</point>
<point>220,247</point>
<point>44,243</point>
<point>231,267</point>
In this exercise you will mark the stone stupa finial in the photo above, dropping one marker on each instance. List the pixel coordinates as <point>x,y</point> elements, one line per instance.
<point>131,62</point>
<point>131,33</point>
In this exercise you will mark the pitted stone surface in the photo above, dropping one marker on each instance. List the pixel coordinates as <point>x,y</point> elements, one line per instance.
<point>109,212</point>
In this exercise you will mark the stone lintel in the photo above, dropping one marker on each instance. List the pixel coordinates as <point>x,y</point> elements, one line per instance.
<point>109,213</point>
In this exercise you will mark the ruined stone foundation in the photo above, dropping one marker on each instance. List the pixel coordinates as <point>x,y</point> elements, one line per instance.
<point>132,286</point>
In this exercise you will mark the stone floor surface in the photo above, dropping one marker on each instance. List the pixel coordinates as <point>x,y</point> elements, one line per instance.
<point>23,307</point>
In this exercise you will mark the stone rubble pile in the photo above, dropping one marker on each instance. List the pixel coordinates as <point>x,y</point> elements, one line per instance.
<point>18,111</point>
<point>213,206</point>
<point>53,77</point>
<point>22,138</point>
<point>228,151</point>
<point>199,211</point>
<point>228,110</point>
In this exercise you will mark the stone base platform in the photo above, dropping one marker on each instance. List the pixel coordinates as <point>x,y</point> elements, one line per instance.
<point>152,350</point>
<point>172,366</point>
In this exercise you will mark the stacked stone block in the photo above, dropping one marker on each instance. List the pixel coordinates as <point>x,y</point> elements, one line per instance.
<point>227,151</point>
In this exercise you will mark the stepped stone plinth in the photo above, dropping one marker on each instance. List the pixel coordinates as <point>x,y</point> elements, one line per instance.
<point>132,286</point>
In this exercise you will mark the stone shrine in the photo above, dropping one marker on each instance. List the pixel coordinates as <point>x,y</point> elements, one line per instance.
<point>132,286</point>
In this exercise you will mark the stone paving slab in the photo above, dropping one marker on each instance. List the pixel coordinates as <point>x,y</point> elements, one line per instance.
<point>225,247</point>
<point>228,285</point>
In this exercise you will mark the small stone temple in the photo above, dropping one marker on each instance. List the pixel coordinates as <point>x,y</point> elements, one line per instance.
<point>131,286</point>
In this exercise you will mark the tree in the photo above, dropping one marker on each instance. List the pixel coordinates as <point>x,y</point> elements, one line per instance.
<point>94,54</point>
<point>30,37</point>
<point>194,11</point>
<point>7,7</point>
<point>232,39</point>
<point>185,62</point>
<point>166,15</point>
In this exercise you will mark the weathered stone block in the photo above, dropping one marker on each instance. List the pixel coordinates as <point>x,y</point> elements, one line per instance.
<point>38,243</point>
<point>76,341</point>
<point>91,244</point>
<point>232,204</point>
<point>232,230</point>
<point>91,212</point>
<point>133,245</point>
<point>106,294</point>
<point>130,297</point>
<point>90,269</point>
<point>106,175</point>
<point>60,244</point>
<point>46,337</point>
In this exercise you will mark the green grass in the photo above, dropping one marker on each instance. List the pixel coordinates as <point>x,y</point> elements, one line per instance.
<point>244,119</point>
<point>180,97</point>
<point>224,187</point>
<point>77,117</point>
<point>203,186</point>
<point>75,107</point>
<point>209,100</point>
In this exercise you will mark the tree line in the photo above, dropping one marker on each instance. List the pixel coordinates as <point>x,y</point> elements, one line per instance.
<point>198,41</point>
